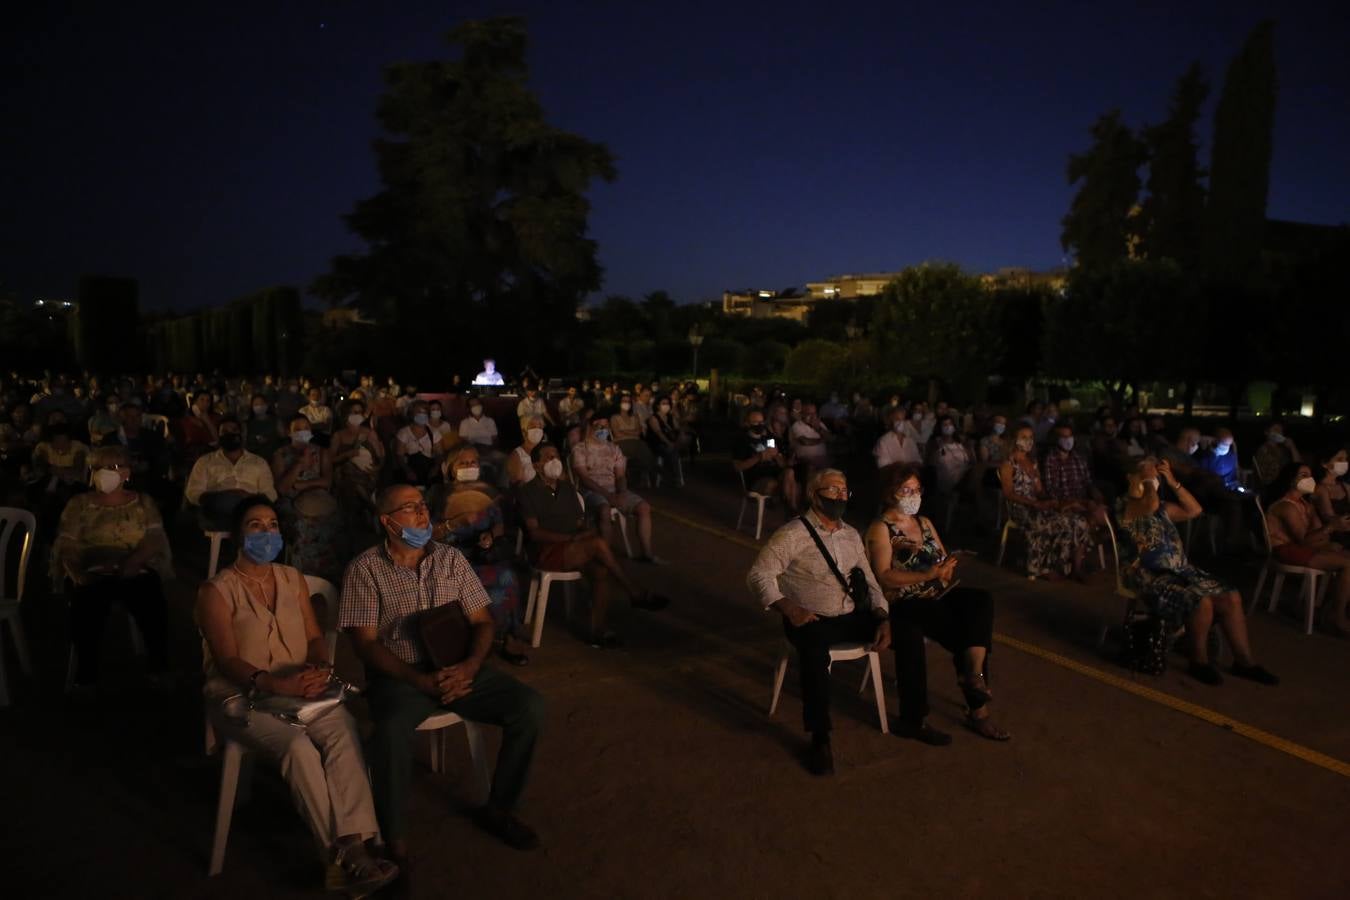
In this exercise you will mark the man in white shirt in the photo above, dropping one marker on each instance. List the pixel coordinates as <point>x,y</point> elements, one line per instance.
<point>569,408</point>
<point>478,428</point>
<point>896,444</point>
<point>489,377</point>
<point>221,479</point>
<point>808,437</point>
<point>792,577</point>
<point>319,415</point>
<point>530,406</point>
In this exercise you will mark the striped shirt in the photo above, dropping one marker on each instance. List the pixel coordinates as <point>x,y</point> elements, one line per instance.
<point>378,593</point>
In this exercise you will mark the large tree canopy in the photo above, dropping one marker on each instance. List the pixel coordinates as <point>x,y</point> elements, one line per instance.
<point>1098,228</point>
<point>1172,215</point>
<point>480,229</point>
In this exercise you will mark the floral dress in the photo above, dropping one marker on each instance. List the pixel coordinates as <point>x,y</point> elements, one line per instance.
<point>1053,537</point>
<point>1162,574</point>
<point>468,512</point>
<point>908,558</point>
<point>312,543</point>
<point>356,479</point>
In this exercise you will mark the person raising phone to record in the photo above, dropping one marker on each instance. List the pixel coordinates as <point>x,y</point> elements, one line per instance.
<point>918,576</point>
<point>762,464</point>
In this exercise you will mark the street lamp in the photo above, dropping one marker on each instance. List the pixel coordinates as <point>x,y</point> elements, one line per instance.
<point>694,340</point>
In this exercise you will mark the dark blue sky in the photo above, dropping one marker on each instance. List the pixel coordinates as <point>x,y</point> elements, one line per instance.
<point>211,152</point>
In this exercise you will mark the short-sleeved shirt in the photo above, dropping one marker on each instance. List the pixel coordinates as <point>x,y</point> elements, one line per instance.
<point>412,444</point>
<point>556,509</point>
<point>745,445</point>
<point>1067,476</point>
<point>478,431</point>
<point>600,461</point>
<point>378,593</point>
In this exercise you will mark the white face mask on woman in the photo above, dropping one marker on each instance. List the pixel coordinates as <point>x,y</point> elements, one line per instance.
<point>1339,467</point>
<point>355,420</point>
<point>107,480</point>
<point>910,503</point>
<point>470,473</point>
<point>1306,485</point>
<point>553,469</point>
<point>534,435</point>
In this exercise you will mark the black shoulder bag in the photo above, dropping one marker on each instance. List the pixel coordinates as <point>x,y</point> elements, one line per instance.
<point>855,585</point>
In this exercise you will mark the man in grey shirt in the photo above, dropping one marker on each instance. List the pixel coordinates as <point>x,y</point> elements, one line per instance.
<point>791,576</point>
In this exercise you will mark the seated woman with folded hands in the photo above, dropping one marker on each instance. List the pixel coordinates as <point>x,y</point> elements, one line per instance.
<point>261,637</point>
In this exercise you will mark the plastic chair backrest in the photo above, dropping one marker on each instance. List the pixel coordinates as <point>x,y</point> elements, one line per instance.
<point>10,519</point>
<point>1265,527</point>
<point>325,589</point>
<point>157,422</point>
<point>1115,556</point>
<point>745,489</point>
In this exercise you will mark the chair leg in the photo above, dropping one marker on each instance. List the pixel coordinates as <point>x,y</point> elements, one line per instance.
<point>229,783</point>
<point>530,600</point>
<point>214,561</point>
<point>759,518</point>
<point>478,757</point>
<point>866,679</point>
<point>20,644</point>
<point>1260,583</point>
<point>1002,545</point>
<point>1310,601</point>
<point>874,667</point>
<point>741,517</point>
<point>779,672</point>
<point>1275,589</point>
<point>541,607</point>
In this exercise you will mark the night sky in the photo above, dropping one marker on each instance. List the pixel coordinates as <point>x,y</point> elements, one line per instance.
<point>210,152</point>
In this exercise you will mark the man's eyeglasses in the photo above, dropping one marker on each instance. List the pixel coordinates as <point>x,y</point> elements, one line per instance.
<point>419,507</point>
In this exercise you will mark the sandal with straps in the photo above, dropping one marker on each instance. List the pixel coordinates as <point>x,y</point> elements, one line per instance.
<point>976,691</point>
<point>356,873</point>
<point>985,728</point>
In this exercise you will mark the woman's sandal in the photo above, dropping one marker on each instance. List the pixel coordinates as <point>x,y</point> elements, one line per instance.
<point>356,873</point>
<point>976,691</point>
<point>985,728</point>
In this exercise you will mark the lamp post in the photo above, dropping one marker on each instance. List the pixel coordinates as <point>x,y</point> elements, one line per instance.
<point>695,339</point>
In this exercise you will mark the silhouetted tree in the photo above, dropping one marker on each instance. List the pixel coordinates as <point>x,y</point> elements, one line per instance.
<point>1172,215</point>
<point>1098,227</point>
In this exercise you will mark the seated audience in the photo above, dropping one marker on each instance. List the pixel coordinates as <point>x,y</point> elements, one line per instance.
<point>664,436</point>
<point>105,420</point>
<point>260,636</point>
<point>562,541</point>
<point>520,464</point>
<point>1274,455</point>
<point>61,461</point>
<point>532,406</point>
<point>261,434</point>
<point>1331,499</point>
<point>1299,537</point>
<point>319,414</point>
<point>759,460</point>
<point>478,429</point>
<point>1057,538</point>
<point>897,444</point>
<point>111,548</point>
<point>468,514</point>
<point>569,408</point>
<point>303,475</point>
<point>626,433</point>
<point>792,576</point>
<point>358,456</point>
<point>195,432</point>
<point>1221,460</point>
<point>383,592</point>
<point>602,471</point>
<point>949,456</point>
<point>916,574</point>
<point>445,434</point>
<point>1179,592</point>
<point>416,450</point>
<point>219,480</point>
<point>1067,480</point>
<point>809,437</point>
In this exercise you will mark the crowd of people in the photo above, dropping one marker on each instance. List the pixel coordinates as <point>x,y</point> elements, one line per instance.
<point>413,501</point>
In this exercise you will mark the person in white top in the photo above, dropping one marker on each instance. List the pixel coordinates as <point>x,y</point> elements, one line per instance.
<point>489,377</point>
<point>896,445</point>
<point>478,428</point>
<point>949,455</point>
<point>320,416</point>
<point>520,465</point>
<point>569,408</point>
<point>532,405</point>
<point>416,449</point>
<point>221,479</point>
<point>807,436</point>
<point>436,421</point>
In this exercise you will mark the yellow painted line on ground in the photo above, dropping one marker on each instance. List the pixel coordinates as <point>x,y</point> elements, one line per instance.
<point>1204,714</point>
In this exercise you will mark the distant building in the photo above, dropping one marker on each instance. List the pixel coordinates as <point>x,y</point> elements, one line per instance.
<point>765,304</point>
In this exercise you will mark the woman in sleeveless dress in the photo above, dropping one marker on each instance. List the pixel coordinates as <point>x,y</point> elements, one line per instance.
<point>1057,539</point>
<point>1299,537</point>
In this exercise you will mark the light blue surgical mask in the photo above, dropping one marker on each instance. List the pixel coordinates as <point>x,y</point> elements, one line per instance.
<point>416,538</point>
<point>420,418</point>
<point>602,434</point>
<point>1222,449</point>
<point>263,546</point>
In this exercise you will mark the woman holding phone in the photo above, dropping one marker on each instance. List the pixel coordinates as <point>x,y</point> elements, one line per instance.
<point>919,578</point>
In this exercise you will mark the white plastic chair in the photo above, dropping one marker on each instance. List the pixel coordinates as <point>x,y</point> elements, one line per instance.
<point>747,496</point>
<point>1313,589</point>
<point>536,606</point>
<point>1009,524</point>
<point>10,519</point>
<point>234,777</point>
<point>617,515</point>
<point>329,592</point>
<point>213,564</point>
<point>839,653</point>
<point>1129,595</point>
<point>435,724</point>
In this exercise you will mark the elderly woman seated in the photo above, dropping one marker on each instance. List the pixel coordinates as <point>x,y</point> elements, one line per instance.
<point>917,575</point>
<point>261,637</point>
<point>111,548</point>
<point>1300,537</point>
<point>469,514</point>
<point>1058,534</point>
<point>1179,592</point>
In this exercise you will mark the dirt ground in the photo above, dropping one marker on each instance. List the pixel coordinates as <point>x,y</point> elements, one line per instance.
<point>660,775</point>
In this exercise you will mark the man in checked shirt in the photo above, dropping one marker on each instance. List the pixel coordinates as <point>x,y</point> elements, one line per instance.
<point>383,592</point>
<point>792,577</point>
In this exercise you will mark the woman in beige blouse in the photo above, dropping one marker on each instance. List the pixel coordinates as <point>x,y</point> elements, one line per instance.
<point>111,548</point>
<point>260,636</point>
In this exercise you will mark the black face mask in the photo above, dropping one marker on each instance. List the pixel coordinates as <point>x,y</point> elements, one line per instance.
<point>231,441</point>
<point>832,508</point>
<point>757,430</point>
